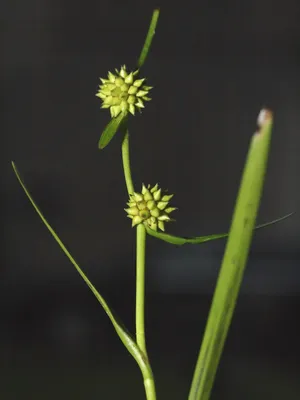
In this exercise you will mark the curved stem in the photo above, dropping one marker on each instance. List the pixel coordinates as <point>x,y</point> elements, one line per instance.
<point>126,338</point>
<point>126,163</point>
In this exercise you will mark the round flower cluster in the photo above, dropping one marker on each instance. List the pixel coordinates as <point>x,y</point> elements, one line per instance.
<point>123,92</point>
<point>150,208</point>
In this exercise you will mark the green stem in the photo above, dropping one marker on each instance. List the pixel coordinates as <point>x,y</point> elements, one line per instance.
<point>140,277</point>
<point>140,304</point>
<point>140,255</point>
<point>126,163</point>
<point>150,389</point>
<point>140,287</point>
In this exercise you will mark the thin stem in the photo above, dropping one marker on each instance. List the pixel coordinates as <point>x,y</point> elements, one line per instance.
<point>128,342</point>
<point>126,163</point>
<point>140,287</point>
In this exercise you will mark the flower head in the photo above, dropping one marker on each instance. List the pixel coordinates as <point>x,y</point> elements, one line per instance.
<point>122,92</point>
<point>150,208</point>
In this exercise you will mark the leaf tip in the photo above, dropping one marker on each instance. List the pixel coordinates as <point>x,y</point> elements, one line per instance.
<point>14,166</point>
<point>265,116</point>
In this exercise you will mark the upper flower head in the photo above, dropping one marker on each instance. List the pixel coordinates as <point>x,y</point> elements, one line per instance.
<point>150,208</point>
<point>123,92</point>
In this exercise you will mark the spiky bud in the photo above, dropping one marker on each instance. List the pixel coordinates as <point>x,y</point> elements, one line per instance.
<point>150,208</point>
<point>122,92</point>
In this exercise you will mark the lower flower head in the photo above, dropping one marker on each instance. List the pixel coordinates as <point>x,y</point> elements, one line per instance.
<point>122,92</point>
<point>150,208</point>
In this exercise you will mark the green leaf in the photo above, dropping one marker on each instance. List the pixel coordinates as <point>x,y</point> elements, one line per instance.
<point>125,337</point>
<point>234,260</point>
<point>111,129</point>
<point>149,38</point>
<point>179,241</point>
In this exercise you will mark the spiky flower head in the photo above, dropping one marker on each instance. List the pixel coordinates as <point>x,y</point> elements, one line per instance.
<point>150,208</point>
<point>123,92</point>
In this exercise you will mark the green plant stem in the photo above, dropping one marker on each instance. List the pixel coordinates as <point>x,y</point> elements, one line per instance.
<point>140,254</point>
<point>140,287</point>
<point>140,277</point>
<point>126,163</point>
<point>140,303</point>
<point>125,337</point>
<point>150,388</point>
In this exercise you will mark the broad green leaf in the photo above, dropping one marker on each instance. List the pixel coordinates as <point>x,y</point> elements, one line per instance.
<point>234,260</point>
<point>111,129</point>
<point>149,38</point>
<point>179,241</point>
<point>125,337</point>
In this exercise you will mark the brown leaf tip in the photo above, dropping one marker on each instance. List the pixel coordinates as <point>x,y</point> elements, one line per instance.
<point>264,117</point>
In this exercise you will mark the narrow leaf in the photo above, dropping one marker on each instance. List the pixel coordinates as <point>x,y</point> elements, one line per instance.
<point>110,130</point>
<point>234,260</point>
<point>149,38</point>
<point>125,337</point>
<point>179,241</point>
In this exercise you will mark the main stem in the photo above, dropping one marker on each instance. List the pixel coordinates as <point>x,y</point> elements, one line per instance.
<point>140,276</point>
<point>140,287</point>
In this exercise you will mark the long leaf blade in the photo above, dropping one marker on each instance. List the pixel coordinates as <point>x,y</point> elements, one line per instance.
<point>179,241</point>
<point>234,261</point>
<point>110,130</point>
<point>125,337</point>
<point>149,38</point>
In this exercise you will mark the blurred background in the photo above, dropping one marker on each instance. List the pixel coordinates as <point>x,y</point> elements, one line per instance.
<point>213,66</point>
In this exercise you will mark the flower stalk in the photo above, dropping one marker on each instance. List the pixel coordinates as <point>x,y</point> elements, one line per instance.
<point>126,163</point>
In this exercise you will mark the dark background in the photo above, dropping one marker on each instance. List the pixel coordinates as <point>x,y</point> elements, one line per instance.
<point>213,65</point>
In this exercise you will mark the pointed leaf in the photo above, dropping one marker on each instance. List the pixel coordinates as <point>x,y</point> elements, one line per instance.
<point>125,337</point>
<point>179,241</point>
<point>110,130</point>
<point>234,260</point>
<point>149,38</point>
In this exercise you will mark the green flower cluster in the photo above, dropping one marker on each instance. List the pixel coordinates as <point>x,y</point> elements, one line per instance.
<point>150,208</point>
<point>123,92</point>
